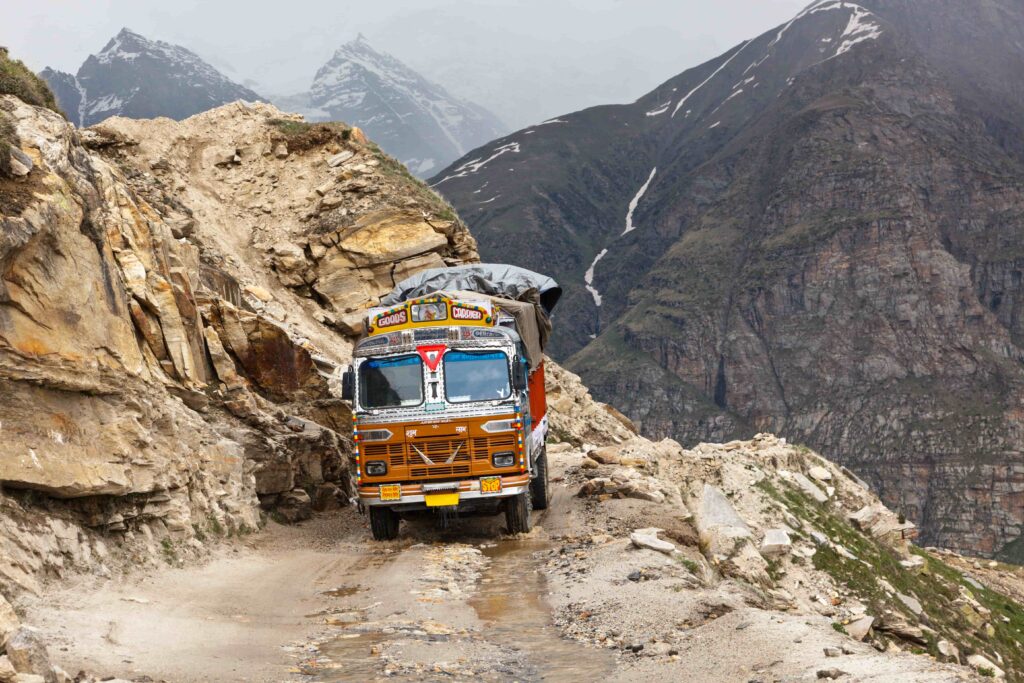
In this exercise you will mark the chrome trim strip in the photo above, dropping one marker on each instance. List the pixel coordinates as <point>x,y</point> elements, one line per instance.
<point>443,486</point>
<point>463,495</point>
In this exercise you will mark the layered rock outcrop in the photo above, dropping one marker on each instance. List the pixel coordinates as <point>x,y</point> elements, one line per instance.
<point>172,308</point>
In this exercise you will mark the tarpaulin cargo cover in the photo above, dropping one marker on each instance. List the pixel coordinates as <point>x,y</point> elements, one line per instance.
<point>526,296</point>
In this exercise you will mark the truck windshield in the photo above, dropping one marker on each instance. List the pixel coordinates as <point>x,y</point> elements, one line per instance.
<point>391,382</point>
<point>476,376</point>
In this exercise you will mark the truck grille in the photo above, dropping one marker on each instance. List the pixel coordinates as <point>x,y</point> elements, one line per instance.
<point>483,445</point>
<point>394,452</point>
<point>477,449</point>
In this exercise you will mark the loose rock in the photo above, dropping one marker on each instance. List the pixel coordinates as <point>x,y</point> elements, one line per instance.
<point>776,542</point>
<point>648,538</point>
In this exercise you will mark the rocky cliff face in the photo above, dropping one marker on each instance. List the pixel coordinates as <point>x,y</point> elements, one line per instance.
<point>417,121</point>
<point>814,233</point>
<point>141,78</point>
<point>172,306</point>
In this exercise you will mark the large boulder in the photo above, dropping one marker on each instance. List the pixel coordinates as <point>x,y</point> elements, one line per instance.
<point>726,539</point>
<point>389,236</point>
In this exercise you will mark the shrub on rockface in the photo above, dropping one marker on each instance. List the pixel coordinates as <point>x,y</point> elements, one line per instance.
<point>18,80</point>
<point>7,138</point>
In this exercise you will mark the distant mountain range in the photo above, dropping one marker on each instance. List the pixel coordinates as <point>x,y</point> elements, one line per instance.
<point>817,233</point>
<point>140,78</point>
<point>413,119</point>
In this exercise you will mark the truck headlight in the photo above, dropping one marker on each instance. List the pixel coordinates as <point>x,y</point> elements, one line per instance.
<point>492,426</point>
<point>504,459</point>
<point>376,468</point>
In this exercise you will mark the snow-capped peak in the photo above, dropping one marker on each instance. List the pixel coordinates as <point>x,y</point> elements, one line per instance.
<point>416,120</point>
<point>128,46</point>
<point>138,77</point>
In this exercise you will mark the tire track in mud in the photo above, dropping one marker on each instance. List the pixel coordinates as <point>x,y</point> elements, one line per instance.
<point>455,605</point>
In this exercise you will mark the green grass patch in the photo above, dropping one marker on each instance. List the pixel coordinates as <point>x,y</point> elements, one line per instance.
<point>301,136</point>
<point>690,565</point>
<point>170,554</point>
<point>937,586</point>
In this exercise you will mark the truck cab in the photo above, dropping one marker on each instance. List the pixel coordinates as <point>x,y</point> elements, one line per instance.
<point>449,412</point>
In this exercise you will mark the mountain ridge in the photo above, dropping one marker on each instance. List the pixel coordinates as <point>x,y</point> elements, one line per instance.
<point>137,77</point>
<point>416,120</point>
<point>762,212</point>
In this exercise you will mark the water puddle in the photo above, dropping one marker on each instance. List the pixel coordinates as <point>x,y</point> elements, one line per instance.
<point>354,657</point>
<point>342,591</point>
<point>510,599</point>
<point>517,629</point>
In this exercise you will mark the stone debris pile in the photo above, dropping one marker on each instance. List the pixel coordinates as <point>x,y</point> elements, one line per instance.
<point>757,527</point>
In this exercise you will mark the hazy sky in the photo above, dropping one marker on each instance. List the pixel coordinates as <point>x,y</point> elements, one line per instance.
<point>526,60</point>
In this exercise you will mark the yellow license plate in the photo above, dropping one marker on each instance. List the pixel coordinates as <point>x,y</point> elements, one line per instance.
<point>391,492</point>
<point>490,485</point>
<point>441,500</point>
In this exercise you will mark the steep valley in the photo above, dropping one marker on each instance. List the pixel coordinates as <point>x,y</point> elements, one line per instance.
<point>815,234</point>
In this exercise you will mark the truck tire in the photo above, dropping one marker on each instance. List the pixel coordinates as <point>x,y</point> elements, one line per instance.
<point>517,513</point>
<point>383,523</point>
<point>540,488</point>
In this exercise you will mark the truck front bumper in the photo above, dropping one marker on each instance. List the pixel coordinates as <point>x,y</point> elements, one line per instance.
<point>469,490</point>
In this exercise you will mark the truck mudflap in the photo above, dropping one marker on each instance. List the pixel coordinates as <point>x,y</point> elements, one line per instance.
<point>468,490</point>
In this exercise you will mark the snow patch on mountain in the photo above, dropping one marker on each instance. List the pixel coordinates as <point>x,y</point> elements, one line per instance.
<point>858,30</point>
<point>82,101</point>
<point>661,109</point>
<point>476,164</point>
<point>636,201</point>
<point>708,79</point>
<point>588,278</point>
<point>106,103</point>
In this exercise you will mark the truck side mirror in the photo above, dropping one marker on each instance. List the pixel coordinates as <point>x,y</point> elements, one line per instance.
<point>348,384</point>
<point>519,377</point>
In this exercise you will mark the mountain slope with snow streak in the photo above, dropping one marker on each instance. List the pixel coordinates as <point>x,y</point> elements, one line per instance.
<point>829,249</point>
<point>412,118</point>
<point>595,171</point>
<point>136,77</point>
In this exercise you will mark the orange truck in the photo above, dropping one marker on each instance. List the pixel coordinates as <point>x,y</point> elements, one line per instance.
<point>447,390</point>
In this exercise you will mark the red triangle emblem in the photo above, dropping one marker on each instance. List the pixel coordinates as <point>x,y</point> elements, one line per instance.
<point>431,355</point>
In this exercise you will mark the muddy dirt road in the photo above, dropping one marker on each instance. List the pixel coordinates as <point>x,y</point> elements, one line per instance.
<point>321,601</point>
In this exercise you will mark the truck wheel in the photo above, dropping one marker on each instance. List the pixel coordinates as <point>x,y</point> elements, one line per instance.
<point>517,513</point>
<point>540,489</point>
<point>383,523</point>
